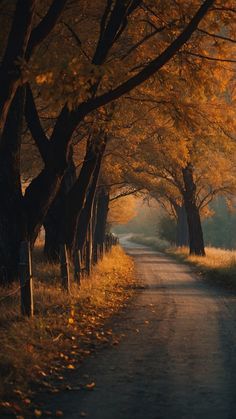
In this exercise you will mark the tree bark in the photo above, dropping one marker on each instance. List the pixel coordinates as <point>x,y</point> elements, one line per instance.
<point>10,70</point>
<point>196,241</point>
<point>182,234</point>
<point>86,215</point>
<point>101,221</point>
<point>12,218</point>
<point>79,192</point>
<point>55,221</point>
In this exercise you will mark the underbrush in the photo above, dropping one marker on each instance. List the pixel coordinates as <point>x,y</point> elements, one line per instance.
<point>64,328</point>
<point>219,265</point>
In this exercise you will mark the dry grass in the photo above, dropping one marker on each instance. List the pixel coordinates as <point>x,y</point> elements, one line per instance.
<point>64,327</point>
<point>218,265</point>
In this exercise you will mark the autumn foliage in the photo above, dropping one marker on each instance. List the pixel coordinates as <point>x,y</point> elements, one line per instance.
<point>101,100</point>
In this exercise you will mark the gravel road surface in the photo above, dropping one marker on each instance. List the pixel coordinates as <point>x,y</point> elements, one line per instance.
<point>177,359</point>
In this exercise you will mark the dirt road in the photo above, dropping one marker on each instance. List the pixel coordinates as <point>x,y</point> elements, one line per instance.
<point>177,359</point>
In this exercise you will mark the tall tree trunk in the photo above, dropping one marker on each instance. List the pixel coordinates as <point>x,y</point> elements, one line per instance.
<point>101,221</point>
<point>182,234</point>
<point>196,242</point>
<point>79,192</point>
<point>12,219</point>
<point>87,212</point>
<point>55,222</point>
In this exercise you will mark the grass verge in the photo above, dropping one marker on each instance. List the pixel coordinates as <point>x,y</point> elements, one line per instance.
<point>218,266</point>
<point>36,352</point>
<point>151,241</point>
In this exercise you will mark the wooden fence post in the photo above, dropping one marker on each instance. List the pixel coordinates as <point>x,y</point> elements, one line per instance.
<point>64,264</point>
<point>25,274</point>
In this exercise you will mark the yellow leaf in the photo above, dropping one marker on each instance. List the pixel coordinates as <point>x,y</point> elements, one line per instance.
<point>70,367</point>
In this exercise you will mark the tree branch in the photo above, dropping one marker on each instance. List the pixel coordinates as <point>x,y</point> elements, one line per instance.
<point>224,38</point>
<point>35,127</point>
<point>42,30</point>
<point>10,70</point>
<point>151,68</point>
<point>207,57</point>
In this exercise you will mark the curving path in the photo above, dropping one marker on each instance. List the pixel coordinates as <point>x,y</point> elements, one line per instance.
<point>178,357</point>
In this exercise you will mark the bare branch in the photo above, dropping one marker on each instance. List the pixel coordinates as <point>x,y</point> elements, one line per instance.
<point>214,35</point>
<point>207,57</point>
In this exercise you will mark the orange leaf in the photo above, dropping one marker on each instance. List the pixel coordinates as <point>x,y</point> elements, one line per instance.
<point>59,413</point>
<point>90,386</point>
<point>37,413</point>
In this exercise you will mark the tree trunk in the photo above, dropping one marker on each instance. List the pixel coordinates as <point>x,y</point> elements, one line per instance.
<point>78,194</point>
<point>12,220</point>
<point>196,242</point>
<point>76,198</point>
<point>182,235</point>
<point>101,221</point>
<point>54,223</point>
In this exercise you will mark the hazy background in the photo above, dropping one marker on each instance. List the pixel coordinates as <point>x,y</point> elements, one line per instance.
<point>149,219</point>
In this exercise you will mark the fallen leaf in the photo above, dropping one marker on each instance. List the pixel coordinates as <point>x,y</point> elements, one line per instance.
<point>16,407</point>
<point>37,413</point>
<point>70,367</point>
<point>5,404</point>
<point>42,373</point>
<point>59,413</point>
<point>90,386</point>
<point>54,390</point>
<point>27,401</point>
<point>18,392</point>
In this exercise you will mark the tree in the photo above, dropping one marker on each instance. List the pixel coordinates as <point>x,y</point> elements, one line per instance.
<point>172,150</point>
<point>97,92</point>
<point>19,48</point>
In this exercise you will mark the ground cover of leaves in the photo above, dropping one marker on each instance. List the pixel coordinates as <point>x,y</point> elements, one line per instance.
<point>41,353</point>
